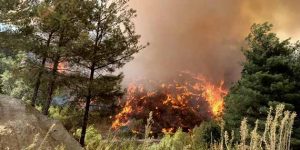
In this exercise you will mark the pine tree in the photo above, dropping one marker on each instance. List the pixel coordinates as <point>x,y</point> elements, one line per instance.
<point>47,28</point>
<point>269,77</point>
<point>15,41</point>
<point>108,43</point>
<point>25,33</point>
<point>64,21</point>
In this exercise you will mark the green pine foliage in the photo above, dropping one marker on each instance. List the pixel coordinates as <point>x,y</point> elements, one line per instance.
<point>107,43</point>
<point>270,76</point>
<point>69,116</point>
<point>13,77</point>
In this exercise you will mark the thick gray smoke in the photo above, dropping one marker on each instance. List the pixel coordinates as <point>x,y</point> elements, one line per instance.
<point>203,36</point>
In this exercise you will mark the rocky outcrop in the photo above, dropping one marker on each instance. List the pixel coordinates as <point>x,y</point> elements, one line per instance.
<point>23,127</point>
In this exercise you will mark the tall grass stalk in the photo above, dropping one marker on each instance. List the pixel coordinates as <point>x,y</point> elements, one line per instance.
<point>276,136</point>
<point>46,137</point>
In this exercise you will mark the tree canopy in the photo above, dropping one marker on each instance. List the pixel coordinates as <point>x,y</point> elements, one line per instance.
<point>270,76</point>
<point>77,45</point>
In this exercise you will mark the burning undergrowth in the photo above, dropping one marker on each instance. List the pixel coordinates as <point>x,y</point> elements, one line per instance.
<point>184,103</point>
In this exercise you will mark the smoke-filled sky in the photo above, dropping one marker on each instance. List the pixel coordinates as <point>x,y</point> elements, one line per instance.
<point>203,36</point>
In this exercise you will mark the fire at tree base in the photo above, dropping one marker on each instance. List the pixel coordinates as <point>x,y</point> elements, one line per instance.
<point>184,103</point>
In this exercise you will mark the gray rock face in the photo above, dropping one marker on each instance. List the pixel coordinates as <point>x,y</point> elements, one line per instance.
<point>23,127</point>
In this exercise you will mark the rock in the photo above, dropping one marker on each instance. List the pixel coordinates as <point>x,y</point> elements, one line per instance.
<point>23,127</point>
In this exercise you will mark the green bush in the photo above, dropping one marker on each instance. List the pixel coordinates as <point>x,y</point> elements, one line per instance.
<point>276,135</point>
<point>70,117</point>
<point>208,136</point>
<point>92,137</point>
<point>206,133</point>
<point>180,140</point>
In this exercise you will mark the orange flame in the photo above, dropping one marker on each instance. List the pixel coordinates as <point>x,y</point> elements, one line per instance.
<point>188,98</point>
<point>167,130</point>
<point>61,67</point>
<point>213,94</point>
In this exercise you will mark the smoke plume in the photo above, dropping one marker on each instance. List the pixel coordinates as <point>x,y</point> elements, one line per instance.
<point>203,36</point>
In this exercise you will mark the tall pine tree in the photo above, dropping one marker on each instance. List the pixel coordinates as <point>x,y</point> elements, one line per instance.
<point>108,43</point>
<point>65,18</point>
<point>15,41</point>
<point>269,76</point>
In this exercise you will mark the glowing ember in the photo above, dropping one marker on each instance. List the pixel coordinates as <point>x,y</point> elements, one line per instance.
<point>167,130</point>
<point>61,67</point>
<point>184,103</point>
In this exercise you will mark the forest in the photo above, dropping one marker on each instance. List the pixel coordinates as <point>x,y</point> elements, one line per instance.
<point>64,60</point>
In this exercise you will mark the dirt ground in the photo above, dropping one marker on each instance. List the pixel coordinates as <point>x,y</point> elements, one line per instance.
<point>23,127</point>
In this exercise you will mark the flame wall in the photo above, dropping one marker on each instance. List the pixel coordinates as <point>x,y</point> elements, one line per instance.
<point>183,103</point>
<point>203,36</point>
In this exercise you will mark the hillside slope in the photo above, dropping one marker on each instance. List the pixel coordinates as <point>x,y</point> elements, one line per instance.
<point>23,127</point>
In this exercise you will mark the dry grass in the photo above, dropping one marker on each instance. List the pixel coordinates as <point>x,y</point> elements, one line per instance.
<point>276,136</point>
<point>35,145</point>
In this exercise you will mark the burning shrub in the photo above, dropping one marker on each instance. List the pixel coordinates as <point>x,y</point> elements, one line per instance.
<point>177,104</point>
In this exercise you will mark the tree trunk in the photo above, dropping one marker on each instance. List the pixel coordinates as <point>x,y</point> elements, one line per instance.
<point>87,106</point>
<point>38,80</point>
<point>51,86</point>
<point>38,83</point>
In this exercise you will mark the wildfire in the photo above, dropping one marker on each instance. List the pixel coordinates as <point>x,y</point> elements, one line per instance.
<point>214,95</point>
<point>61,67</point>
<point>184,103</point>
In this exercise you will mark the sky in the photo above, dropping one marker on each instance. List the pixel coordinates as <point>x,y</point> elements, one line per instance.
<point>203,36</point>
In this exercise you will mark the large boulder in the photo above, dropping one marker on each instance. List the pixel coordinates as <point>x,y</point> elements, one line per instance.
<point>23,127</point>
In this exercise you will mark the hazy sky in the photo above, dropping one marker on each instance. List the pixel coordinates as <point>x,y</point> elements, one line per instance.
<point>203,36</point>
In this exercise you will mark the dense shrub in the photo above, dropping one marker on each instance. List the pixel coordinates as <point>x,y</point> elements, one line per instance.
<point>207,132</point>
<point>276,135</point>
<point>180,140</point>
<point>92,137</point>
<point>70,117</point>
